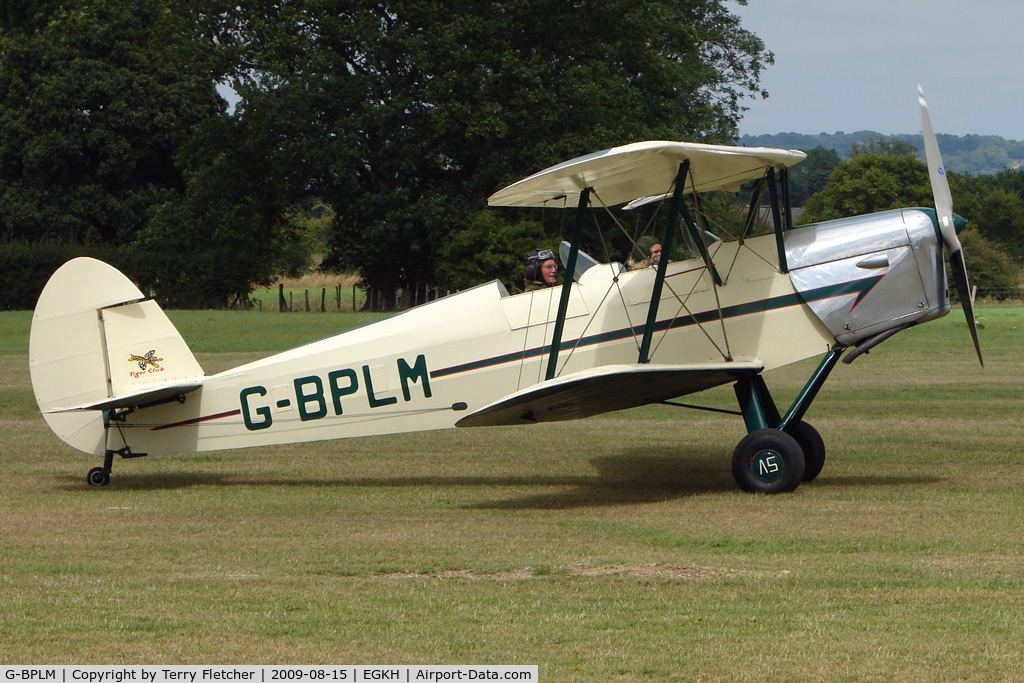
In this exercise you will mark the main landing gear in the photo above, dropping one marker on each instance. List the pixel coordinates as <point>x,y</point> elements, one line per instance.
<point>775,461</point>
<point>779,452</point>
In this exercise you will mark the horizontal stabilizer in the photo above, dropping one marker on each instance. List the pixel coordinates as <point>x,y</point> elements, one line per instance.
<point>604,389</point>
<point>155,393</point>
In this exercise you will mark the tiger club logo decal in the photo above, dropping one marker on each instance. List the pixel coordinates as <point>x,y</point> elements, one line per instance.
<point>148,363</point>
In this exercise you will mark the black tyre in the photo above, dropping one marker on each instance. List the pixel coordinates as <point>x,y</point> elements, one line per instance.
<point>811,444</point>
<point>98,477</point>
<point>768,461</point>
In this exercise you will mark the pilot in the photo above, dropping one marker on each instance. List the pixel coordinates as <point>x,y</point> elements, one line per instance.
<point>541,270</point>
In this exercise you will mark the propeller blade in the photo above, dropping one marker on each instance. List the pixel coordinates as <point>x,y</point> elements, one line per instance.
<point>963,290</point>
<point>937,176</point>
<point>944,215</point>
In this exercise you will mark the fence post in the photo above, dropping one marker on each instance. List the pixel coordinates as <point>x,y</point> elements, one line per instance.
<point>282,305</point>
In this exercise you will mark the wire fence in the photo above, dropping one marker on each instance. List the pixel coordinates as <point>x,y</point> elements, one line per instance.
<point>997,298</point>
<point>340,298</point>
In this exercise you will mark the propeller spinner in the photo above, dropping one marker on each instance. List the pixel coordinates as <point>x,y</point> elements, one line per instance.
<point>944,215</point>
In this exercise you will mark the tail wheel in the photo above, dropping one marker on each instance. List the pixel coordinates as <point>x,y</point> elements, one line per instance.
<point>98,476</point>
<point>811,444</point>
<point>768,461</point>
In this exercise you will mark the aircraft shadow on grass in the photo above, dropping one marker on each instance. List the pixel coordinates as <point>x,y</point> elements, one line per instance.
<point>635,476</point>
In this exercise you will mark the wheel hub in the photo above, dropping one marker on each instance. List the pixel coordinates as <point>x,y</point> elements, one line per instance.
<point>767,465</point>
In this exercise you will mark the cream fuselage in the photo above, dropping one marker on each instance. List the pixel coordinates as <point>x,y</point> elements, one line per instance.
<point>425,368</point>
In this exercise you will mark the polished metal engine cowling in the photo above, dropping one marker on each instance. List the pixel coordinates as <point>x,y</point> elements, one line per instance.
<point>863,276</point>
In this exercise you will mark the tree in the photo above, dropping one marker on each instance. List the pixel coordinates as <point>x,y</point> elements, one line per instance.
<point>886,147</point>
<point>811,175</point>
<point>96,97</point>
<point>1012,180</point>
<point>231,220</point>
<point>994,272</point>
<point>113,133</point>
<point>869,183</point>
<point>491,249</point>
<point>401,115</point>
<point>1001,220</point>
<point>410,112</point>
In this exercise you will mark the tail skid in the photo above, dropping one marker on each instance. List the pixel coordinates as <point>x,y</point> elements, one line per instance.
<point>98,346</point>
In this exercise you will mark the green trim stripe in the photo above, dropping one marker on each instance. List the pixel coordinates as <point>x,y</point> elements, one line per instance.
<point>859,287</point>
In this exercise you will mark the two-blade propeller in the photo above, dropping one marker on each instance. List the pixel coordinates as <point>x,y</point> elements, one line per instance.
<point>944,215</point>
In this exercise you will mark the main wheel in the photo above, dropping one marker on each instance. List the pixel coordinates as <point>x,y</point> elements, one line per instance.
<point>98,476</point>
<point>768,461</point>
<point>811,444</point>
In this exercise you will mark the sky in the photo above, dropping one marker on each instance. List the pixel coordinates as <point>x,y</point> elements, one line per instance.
<point>851,65</point>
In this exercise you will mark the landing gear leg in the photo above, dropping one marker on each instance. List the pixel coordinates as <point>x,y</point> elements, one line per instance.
<point>767,459</point>
<point>765,462</point>
<point>100,476</point>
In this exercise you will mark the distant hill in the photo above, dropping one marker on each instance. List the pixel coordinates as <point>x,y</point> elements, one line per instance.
<point>972,154</point>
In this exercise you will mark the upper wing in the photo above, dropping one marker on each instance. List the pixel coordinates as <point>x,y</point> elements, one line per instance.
<point>604,389</point>
<point>642,169</point>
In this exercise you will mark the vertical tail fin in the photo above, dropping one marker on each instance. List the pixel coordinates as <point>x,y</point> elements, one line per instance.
<point>97,342</point>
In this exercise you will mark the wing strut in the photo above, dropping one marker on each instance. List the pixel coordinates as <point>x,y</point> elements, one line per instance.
<point>773,191</point>
<point>784,180</point>
<point>570,269</point>
<point>666,249</point>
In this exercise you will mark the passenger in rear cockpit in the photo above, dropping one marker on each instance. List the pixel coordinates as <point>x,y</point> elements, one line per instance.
<point>541,270</point>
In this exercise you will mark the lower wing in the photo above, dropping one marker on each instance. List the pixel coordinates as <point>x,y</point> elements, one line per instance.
<point>604,389</point>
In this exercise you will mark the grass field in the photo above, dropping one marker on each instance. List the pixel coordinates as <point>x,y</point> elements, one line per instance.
<point>611,549</point>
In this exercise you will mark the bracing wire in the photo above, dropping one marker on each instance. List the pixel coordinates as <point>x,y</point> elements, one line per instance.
<point>718,299</point>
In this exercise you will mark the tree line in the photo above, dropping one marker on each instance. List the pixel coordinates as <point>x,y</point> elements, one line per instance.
<point>970,154</point>
<point>399,116</point>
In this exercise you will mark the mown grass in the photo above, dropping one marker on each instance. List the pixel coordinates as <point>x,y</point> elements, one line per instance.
<point>615,548</point>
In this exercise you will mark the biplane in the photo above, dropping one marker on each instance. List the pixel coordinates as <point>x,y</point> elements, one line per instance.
<point>113,377</point>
